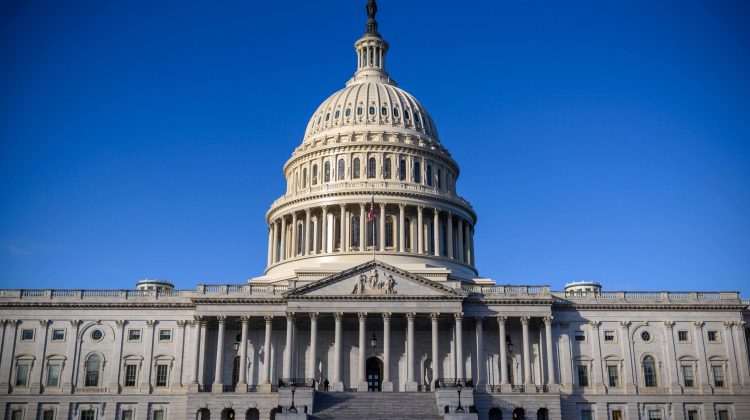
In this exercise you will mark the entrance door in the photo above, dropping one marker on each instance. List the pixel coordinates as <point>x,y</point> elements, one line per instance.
<point>374,374</point>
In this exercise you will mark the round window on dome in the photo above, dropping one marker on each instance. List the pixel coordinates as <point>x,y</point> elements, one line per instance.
<point>646,336</point>
<point>359,110</point>
<point>97,335</point>
<point>372,110</point>
<point>348,112</point>
<point>395,112</point>
<point>337,114</point>
<point>328,116</point>
<point>384,111</point>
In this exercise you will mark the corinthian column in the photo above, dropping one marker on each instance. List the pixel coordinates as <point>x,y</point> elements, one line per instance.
<point>435,361</point>
<point>381,223</point>
<point>219,374</point>
<point>362,386</point>
<point>283,255</point>
<point>324,231</point>
<point>293,248</point>
<point>306,251</point>
<point>503,348</point>
<point>401,228</point>
<point>460,233</point>
<point>481,380</point>
<point>312,368</point>
<point>266,378</point>
<point>342,228</point>
<point>387,385</point>
<point>411,384</point>
<point>420,230</point>
<point>459,346</point>
<point>362,228</point>
<point>436,232</point>
<point>287,368</point>
<point>242,382</point>
<point>550,356</point>
<point>449,236</point>
<point>526,357</point>
<point>337,385</point>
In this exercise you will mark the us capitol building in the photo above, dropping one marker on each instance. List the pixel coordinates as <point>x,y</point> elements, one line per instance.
<point>371,306</point>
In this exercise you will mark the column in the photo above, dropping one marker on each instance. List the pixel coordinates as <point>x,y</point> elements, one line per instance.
<point>599,382</point>
<point>324,231</point>
<point>503,349</point>
<point>671,356</point>
<point>287,368</point>
<point>293,247</point>
<point>282,252</point>
<point>459,345</point>
<point>700,348</point>
<point>732,375</point>
<point>270,246</point>
<point>275,250</point>
<point>35,376</point>
<point>116,365</point>
<point>470,239</point>
<point>434,317</point>
<point>6,357</point>
<point>467,244</point>
<point>550,355</point>
<point>481,380</point>
<point>401,228</point>
<point>460,233</point>
<point>526,357</point>
<point>312,366</point>
<point>628,378</point>
<point>362,228</point>
<point>420,230</point>
<point>381,223</point>
<point>145,379</point>
<point>436,232</point>
<point>242,382</point>
<point>266,378</point>
<point>362,386</point>
<point>196,352</point>
<point>449,236</point>
<point>203,353</point>
<point>336,384</point>
<point>387,385</point>
<point>342,228</point>
<point>411,385</point>
<point>741,349</point>
<point>179,344</point>
<point>348,225</point>
<point>306,234</point>
<point>219,371</point>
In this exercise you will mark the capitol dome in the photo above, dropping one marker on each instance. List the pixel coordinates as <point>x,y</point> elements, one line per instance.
<point>370,179</point>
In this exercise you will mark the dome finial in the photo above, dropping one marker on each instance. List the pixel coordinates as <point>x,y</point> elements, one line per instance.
<point>372,24</point>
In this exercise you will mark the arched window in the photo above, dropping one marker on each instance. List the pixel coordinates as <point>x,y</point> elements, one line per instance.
<point>315,174</point>
<point>337,232</point>
<point>384,111</point>
<point>356,169</point>
<point>340,174</point>
<point>355,231</point>
<point>337,114</point>
<point>304,177</point>
<point>388,232</point>
<point>649,372</point>
<point>371,168</point>
<point>300,237</point>
<point>439,179</point>
<point>348,112</point>
<point>429,175</point>
<point>92,368</point>
<point>417,172</point>
<point>395,112</point>
<point>327,172</point>
<point>402,169</point>
<point>372,110</point>
<point>407,115</point>
<point>387,168</point>
<point>359,110</point>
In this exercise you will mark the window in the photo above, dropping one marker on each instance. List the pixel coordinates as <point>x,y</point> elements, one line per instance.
<point>92,371</point>
<point>654,414</point>
<point>337,114</point>
<point>355,230</point>
<point>53,375</point>
<point>341,170</point>
<point>407,115</point>
<point>682,336</point>
<point>649,371</point>
<point>159,415</point>
<point>131,372</point>
<point>612,372</point>
<point>417,172</point>
<point>315,175</point>
<point>585,414</point>
<point>327,172</point>
<point>402,170</point>
<point>723,414</point>
<point>348,112</point>
<point>48,415</point>
<point>97,335</point>
<point>355,172</point>
<point>718,372</point>
<point>16,415</point>
<point>395,112</point>
<point>439,179</point>
<point>27,335</point>
<point>88,415</point>
<point>692,415</point>
<point>713,336</point>
<point>372,110</point>
<point>389,232</point>
<point>688,379</point>
<point>646,336</point>
<point>384,111</point>
<point>22,374</point>
<point>371,167</point>
<point>387,168</point>
<point>609,336</point>
<point>134,335</point>
<point>58,334</point>
<point>580,336</point>
<point>616,415</point>
<point>165,335</point>
<point>126,415</point>
<point>161,375</point>
<point>429,175</point>
<point>359,110</point>
<point>583,375</point>
<point>304,177</point>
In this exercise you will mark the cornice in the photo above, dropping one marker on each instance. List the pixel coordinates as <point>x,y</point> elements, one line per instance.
<point>95,305</point>
<point>647,306</point>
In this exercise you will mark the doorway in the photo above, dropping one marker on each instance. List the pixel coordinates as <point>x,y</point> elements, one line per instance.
<point>374,369</point>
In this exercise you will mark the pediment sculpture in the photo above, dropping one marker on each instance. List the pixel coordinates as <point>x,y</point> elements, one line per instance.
<point>372,284</point>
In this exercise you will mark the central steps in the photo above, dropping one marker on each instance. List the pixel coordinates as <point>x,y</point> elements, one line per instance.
<point>375,406</point>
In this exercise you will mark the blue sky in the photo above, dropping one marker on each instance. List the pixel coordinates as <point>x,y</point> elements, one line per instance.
<point>598,140</point>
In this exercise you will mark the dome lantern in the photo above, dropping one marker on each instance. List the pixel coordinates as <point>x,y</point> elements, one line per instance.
<point>371,50</point>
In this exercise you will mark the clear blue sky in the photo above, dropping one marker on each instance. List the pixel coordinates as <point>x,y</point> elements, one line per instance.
<point>598,140</point>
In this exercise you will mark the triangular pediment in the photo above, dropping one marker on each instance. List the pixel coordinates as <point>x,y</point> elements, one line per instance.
<point>374,279</point>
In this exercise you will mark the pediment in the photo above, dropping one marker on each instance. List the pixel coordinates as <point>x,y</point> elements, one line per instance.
<point>374,280</point>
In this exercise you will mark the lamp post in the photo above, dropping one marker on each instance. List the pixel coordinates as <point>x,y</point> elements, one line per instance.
<point>373,341</point>
<point>459,409</point>
<point>293,409</point>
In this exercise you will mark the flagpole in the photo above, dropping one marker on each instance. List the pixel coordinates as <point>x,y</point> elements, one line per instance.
<point>372,204</point>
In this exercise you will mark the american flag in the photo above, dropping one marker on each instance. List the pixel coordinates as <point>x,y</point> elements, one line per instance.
<point>371,214</point>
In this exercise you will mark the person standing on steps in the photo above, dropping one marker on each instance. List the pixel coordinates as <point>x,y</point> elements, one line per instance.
<point>325,385</point>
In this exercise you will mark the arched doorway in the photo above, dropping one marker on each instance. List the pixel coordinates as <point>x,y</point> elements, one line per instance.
<point>252,414</point>
<point>203,414</point>
<point>496,414</point>
<point>519,414</point>
<point>227,414</point>
<point>542,414</point>
<point>374,369</point>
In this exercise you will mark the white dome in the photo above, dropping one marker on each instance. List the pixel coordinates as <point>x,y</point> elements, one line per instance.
<point>370,105</point>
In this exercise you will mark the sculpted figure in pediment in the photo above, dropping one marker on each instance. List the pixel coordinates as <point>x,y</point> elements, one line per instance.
<point>359,288</point>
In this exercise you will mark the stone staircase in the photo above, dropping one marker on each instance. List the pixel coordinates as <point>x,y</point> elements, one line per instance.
<point>375,406</point>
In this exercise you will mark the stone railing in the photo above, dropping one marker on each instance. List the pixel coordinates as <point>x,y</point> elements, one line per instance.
<point>674,297</point>
<point>365,186</point>
<point>746,302</point>
<point>240,289</point>
<point>506,290</point>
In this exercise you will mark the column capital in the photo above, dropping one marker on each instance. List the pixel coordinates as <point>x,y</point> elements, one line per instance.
<point>44,322</point>
<point>410,316</point>
<point>458,316</point>
<point>548,320</point>
<point>624,324</point>
<point>668,324</point>
<point>180,323</point>
<point>342,205</point>
<point>121,322</point>
<point>479,320</point>
<point>362,316</point>
<point>436,211</point>
<point>338,316</point>
<point>727,324</point>
<point>244,319</point>
<point>221,318</point>
<point>290,316</point>
<point>73,322</point>
<point>307,211</point>
<point>501,319</point>
<point>525,320</point>
<point>434,316</point>
<point>420,208</point>
<point>313,315</point>
<point>294,215</point>
<point>401,205</point>
<point>191,323</point>
<point>361,206</point>
<point>198,318</point>
<point>382,205</point>
<point>151,322</point>
<point>268,318</point>
<point>324,207</point>
<point>594,324</point>
<point>386,316</point>
<point>698,324</point>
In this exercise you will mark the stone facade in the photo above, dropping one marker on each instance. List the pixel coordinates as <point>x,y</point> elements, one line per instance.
<point>371,285</point>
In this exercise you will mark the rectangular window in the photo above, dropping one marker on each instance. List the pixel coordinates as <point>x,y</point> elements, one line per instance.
<point>682,336</point>
<point>87,415</point>
<point>654,414</point>
<point>53,375</point>
<point>583,375</point>
<point>16,415</point>
<point>58,334</point>
<point>161,375</point>
<point>713,336</point>
<point>585,414</point>
<point>580,336</point>
<point>126,415</point>
<point>723,414</point>
<point>692,415</point>
<point>718,372</point>
<point>159,415</point>
<point>614,379</point>
<point>22,374</point>
<point>616,415</point>
<point>609,336</point>
<point>48,415</point>
<point>27,335</point>
<point>134,335</point>
<point>130,374</point>
<point>688,379</point>
<point>165,335</point>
